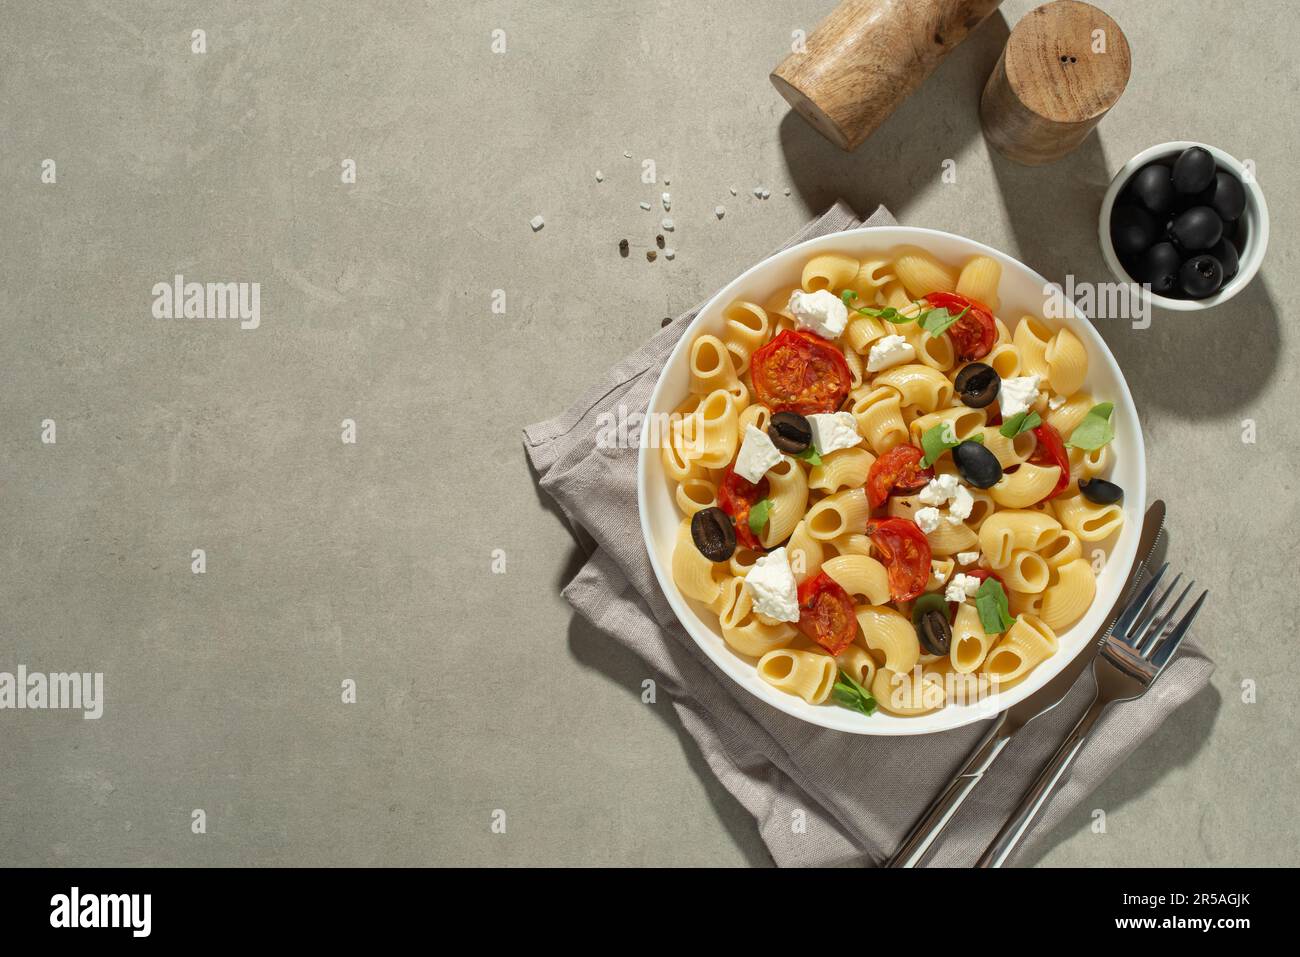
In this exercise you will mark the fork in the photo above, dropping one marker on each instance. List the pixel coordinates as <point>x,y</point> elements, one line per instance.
<point>1133,654</point>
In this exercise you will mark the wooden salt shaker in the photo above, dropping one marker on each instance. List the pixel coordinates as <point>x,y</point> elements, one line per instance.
<point>864,59</point>
<point>1065,65</point>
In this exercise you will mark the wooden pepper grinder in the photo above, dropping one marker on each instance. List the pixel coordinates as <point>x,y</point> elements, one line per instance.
<point>1065,65</point>
<point>864,59</point>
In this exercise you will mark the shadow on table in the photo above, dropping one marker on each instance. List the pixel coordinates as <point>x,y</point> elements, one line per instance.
<point>905,153</point>
<point>595,650</point>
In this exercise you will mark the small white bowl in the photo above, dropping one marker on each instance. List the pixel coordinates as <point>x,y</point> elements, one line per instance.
<point>1254,221</point>
<point>1022,291</point>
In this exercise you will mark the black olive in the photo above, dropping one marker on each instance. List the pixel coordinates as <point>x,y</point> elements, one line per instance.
<point>1193,170</point>
<point>1100,491</point>
<point>1132,230</point>
<point>714,534</point>
<point>1226,253</point>
<point>1159,267</point>
<point>977,385</point>
<point>1198,228</point>
<point>935,632</point>
<point>1201,276</point>
<point>1226,196</point>
<point>790,432</point>
<point>1153,187</point>
<point>977,465</point>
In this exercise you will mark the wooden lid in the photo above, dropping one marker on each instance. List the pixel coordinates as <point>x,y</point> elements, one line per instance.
<point>1067,61</point>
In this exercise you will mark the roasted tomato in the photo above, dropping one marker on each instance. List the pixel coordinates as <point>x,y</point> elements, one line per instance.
<point>898,470</point>
<point>905,551</point>
<point>800,373</point>
<point>974,333</point>
<point>1051,451</point>
<point>826,613</point>
<point>736,497</point>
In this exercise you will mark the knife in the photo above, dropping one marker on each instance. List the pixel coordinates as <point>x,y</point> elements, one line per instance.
<point>936,817</point>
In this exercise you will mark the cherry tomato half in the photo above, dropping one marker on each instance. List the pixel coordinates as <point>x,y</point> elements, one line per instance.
<point>1051,451</point>
<point>974,333</point>
<point>800,373</point>
<point>826,613</point>
<point>898,470</point>
<point>905,551</point>
<point>736,497</point>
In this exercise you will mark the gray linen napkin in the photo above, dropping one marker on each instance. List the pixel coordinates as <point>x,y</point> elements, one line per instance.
<point>819,797</point>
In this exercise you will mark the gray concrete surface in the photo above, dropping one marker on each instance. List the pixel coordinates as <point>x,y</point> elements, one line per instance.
<point>371,562</point>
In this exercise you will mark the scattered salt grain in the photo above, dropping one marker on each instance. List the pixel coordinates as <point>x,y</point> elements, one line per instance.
<point>668,201</point>
<point>670,253</point>
<point>758,192</point>
<point>600,177</point>
<point>733,191</point>
<point>627,154</point>
<point>667,224</point>
<point>645,205</point>
<point>537,223</point>
<point>787,191</point>
<point>667,181</point>
<point>766,194</point>
<point>719,211</point>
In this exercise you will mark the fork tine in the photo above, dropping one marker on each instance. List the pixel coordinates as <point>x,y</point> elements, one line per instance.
<point>1142,627</point>
<point>1160,628</point>
<point>1170,644</point>
<point>1125,621</point>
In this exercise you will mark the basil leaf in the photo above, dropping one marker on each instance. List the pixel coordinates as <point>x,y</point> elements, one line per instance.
<point>847,297</point>
<point>1095,430</point>
<point>809,455</point>
<point>936,440</point>
<point>1021,422</point>
<point>938,321</point>
<point>758,515</point>
<point>847,693</point>
<point>994,611</point>
<point>930,601</point>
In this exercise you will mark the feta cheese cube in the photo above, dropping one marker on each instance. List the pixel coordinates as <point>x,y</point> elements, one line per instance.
<point>833,430</point>
<point>821,312</point>
<point>889,352</point>
<point>1017,395</point>
<point>937,572</point>
<point>959,508</point>
<point>967,558</point>
<point>927,519</point>
<point>939,490</point>
<point>1055,402</point>
<point>757,455</point>
<point>961,587</point>
<point>771,583</point>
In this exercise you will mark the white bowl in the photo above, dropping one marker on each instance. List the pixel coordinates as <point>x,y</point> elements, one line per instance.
<point>1021,291</point>
<point>1254,220</point>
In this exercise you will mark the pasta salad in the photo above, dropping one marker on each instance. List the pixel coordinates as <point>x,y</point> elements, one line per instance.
<point>887,490</point>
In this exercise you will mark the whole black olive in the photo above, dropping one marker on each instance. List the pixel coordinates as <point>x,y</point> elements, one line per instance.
<point>1132,230</point>
<point>1153,187</point>
<point>1226,253</point>
<point>1193,170</point>
<point>1100,491</point>
<point>789,432</point>
<point>713,533</point>
<point>977,465</point>
<point>1226,196</point>
<point>1159,267</point>
<point>977,385</point>
<point>1198,228</point>
<point>935,632</point>
<point>1201,276</point>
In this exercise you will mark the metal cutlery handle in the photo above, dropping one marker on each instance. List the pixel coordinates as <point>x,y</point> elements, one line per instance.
<point>936,817</point>
<point>1025,814</point>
